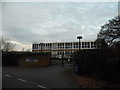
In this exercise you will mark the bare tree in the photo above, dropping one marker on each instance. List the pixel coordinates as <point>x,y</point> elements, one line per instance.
<point>6,44</point>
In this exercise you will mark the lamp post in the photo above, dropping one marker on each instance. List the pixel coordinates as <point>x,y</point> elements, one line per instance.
<point>79,37</point>
<point>77,67</point>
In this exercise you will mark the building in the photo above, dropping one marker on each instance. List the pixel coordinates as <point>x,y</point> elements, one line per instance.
<point>62,48</point>
<point>34,60</point>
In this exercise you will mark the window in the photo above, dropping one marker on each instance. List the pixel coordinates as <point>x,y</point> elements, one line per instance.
<point>61,52</point>
<point>75,45</point>
<point>92,44</point>
<point>86,45</point>
<point>61,47</point>
<point>83,46</point>
<point>83,43</point>
<point>48,46</point>
<point>33,47</point>
<point>37,46</point>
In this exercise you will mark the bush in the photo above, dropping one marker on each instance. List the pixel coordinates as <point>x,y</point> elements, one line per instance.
<point>99,63</point>
<point>10,59</point>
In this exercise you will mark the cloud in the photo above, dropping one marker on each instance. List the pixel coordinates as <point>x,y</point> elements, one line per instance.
<point>60,0</point>
<point>55,21</point>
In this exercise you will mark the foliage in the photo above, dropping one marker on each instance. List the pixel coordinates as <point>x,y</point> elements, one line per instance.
<point>99,63</point>
<point>101,44</point>
<point>110,32</point>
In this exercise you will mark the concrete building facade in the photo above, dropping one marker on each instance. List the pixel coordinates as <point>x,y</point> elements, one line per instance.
<point>62,48</point>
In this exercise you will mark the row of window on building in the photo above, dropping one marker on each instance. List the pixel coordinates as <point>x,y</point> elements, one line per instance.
<point>65,45</point>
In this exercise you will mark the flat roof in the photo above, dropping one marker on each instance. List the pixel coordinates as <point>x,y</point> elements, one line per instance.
<point>61,42</point>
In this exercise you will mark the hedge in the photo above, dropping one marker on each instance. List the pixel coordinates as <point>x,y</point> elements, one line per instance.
<point>99,63</point>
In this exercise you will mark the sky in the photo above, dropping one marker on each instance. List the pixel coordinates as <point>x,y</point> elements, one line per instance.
<point>27,22</point>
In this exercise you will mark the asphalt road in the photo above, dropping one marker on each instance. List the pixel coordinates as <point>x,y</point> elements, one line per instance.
<point>13,82</point>
<point>45,77</point>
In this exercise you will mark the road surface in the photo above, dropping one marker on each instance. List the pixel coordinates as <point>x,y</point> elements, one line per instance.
<point>45,77</point>
<point>14,82</point>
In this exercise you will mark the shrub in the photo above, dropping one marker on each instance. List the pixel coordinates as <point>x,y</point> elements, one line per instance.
<point>99,63</point>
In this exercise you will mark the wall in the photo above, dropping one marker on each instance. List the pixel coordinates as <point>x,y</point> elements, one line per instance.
<point>42,60</point>
<point>18,58</point>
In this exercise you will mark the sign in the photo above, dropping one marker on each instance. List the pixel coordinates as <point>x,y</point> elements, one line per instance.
<point>60,56</point>
<point>31,60</point>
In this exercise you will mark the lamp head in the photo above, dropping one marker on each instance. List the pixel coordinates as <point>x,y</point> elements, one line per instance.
<point>79,37</point>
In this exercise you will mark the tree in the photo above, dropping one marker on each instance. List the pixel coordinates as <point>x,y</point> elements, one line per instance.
<point>101,44</point>
<point>6,44</point>
<point>110,32</point>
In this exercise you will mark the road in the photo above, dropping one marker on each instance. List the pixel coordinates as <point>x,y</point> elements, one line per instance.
<point>13,82</point>
<point>45,77</point>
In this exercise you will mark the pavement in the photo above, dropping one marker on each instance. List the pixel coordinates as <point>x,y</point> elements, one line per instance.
<point>54,76</point>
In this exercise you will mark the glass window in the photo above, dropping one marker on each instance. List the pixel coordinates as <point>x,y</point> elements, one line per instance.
<point>92,43</point>
<point>61,44</point>
<point>77,43</point>
<point>36,46</point>
<point>83,43</point>
<point>83,46</point>
<point>50,44</point>
<point>92,46</point>
<point>88,46</point>
<point>33,46</point>
<point>58,44</point>
<point>74,44</point>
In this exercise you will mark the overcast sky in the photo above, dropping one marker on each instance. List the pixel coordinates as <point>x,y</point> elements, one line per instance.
<point>28,22</point>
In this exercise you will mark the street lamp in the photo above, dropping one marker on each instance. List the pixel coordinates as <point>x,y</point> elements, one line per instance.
<point>79,37</point>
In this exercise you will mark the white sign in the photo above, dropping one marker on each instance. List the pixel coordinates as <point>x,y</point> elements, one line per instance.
<point>31,60</point>
<point>60,56</point>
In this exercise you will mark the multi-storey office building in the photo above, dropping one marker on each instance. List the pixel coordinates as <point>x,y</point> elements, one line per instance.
<point>59,48</point>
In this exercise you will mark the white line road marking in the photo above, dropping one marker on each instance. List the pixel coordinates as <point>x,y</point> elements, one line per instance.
<point>40,86</point>
<point>26,81</point>
<point>22,80</point>
<point>8,75</point>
